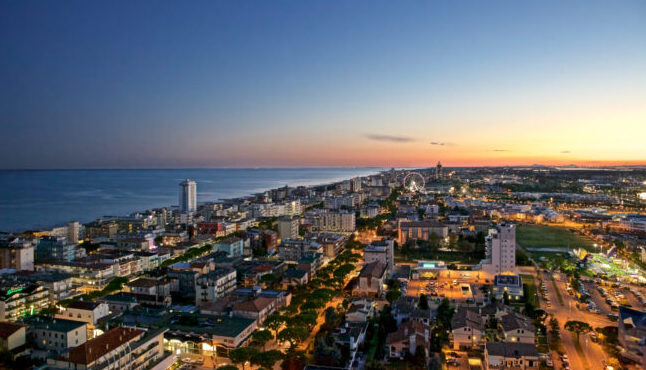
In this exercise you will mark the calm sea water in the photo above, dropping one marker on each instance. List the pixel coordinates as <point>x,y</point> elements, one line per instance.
<point>42,199</point>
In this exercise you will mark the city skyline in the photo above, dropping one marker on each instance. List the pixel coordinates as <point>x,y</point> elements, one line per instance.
<point>227,85</point>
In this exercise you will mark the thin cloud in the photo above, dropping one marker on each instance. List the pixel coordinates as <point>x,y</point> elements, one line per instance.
<point>501,150</point>
<point>390,138</point>
<point>565,151</point>
<point>442,143</point>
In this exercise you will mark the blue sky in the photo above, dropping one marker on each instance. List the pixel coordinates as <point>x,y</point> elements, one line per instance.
<point>320,83</point>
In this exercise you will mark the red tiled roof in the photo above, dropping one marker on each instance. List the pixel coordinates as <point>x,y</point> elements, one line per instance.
<point>263,268</point>
<point>90,351</point>
<point>255,305</point>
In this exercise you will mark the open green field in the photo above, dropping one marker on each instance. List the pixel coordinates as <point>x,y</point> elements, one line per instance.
<point>531,291</point>
<point>541,236</point>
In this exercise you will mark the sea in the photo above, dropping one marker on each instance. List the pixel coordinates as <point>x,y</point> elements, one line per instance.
<point>42,199</point>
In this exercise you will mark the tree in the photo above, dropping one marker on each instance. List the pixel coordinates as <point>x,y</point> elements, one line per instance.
<point>423,302</point>
<point>343,271</point>
<point>578,327</point>
<point>326,352</point>
<point>266,360</point>
<point>392,295</point>
<point>242,355</point>
<point>227,367</point>
<point>274,322</point>
<point>261,337</point>
<point>293,335</point>
<point>294,360</point>
<point>331,319</point>
<point>305,318</point>
<point>445,313</point>
<point>554,324</point>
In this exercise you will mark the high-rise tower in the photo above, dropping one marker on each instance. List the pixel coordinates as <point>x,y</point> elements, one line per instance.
<point>187,196</point>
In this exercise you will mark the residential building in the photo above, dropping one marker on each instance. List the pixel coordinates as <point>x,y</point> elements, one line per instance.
<point>20,299</point>
<point>295,249</point>
<point>257,309</point>
<point>234,246</point>
<point>55,334</point>
<point>288,227</point>
<point>55,248</point>
<point>632,335</point>
<point>332,244</point>
<point>120,348</point>
<point>466,329</point>
<point>101,229</point>
<point>294,277</point>
<point>16,254</point>
<point>120,302</point>
<point>409,337</point>
<point>407,309</point>
<point>148,286</point>
<point>214,284</point>
<point>508,355</point>
<point>371,280</point>
<point>311,263</point>
<point>500,252</point>
<point>517,328</point>
<point>59,284</point>
<point>13,338</point>
<point>420,230</point>
<point>135,244</point>
<point>187,196</point>
<point>360,310</point>
<point>333,221</point>
<point>381,251</point>
<point>85,311</point>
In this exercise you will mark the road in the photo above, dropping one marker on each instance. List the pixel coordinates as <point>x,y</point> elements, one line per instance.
<point>594,356</point>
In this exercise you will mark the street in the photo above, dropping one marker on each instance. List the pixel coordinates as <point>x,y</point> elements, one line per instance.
<point>594,356</point>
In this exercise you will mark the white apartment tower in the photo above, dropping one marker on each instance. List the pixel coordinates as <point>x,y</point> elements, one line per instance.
<point>500,251</point>
<point>187,196</point>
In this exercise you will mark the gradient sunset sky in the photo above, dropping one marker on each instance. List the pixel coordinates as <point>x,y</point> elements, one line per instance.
<point>122,84</point>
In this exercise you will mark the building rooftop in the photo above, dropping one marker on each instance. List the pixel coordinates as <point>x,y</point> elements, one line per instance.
<point>374,269</point>
<point>295,273</point>
<point>466,318</point>
<point>511,349</point>
<point>83,305</point>
<point>94,349</point>
<point>223,326</point>
<point>143,283</point>
<point>254,305</point>
<point>8,328</point>
<point>513,321</point>
<point>59,325</point>
<point>124,298</point>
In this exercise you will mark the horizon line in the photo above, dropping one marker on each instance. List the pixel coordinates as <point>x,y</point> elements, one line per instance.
<point>572,165</point>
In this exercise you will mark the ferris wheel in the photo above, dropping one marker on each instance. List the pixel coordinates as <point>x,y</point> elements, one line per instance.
<point>414,182</point>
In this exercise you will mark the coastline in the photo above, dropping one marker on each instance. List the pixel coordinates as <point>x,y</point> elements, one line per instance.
<point>33,202</point>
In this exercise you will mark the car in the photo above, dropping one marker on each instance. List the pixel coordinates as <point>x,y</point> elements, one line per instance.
<point>453,354</point>
<point>452,362</point>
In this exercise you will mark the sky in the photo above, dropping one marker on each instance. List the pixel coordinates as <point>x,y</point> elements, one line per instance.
<point>140,84</point>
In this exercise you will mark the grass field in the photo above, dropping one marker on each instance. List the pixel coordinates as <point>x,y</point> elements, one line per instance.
<point>541,236</point>
<point>532,293</point>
